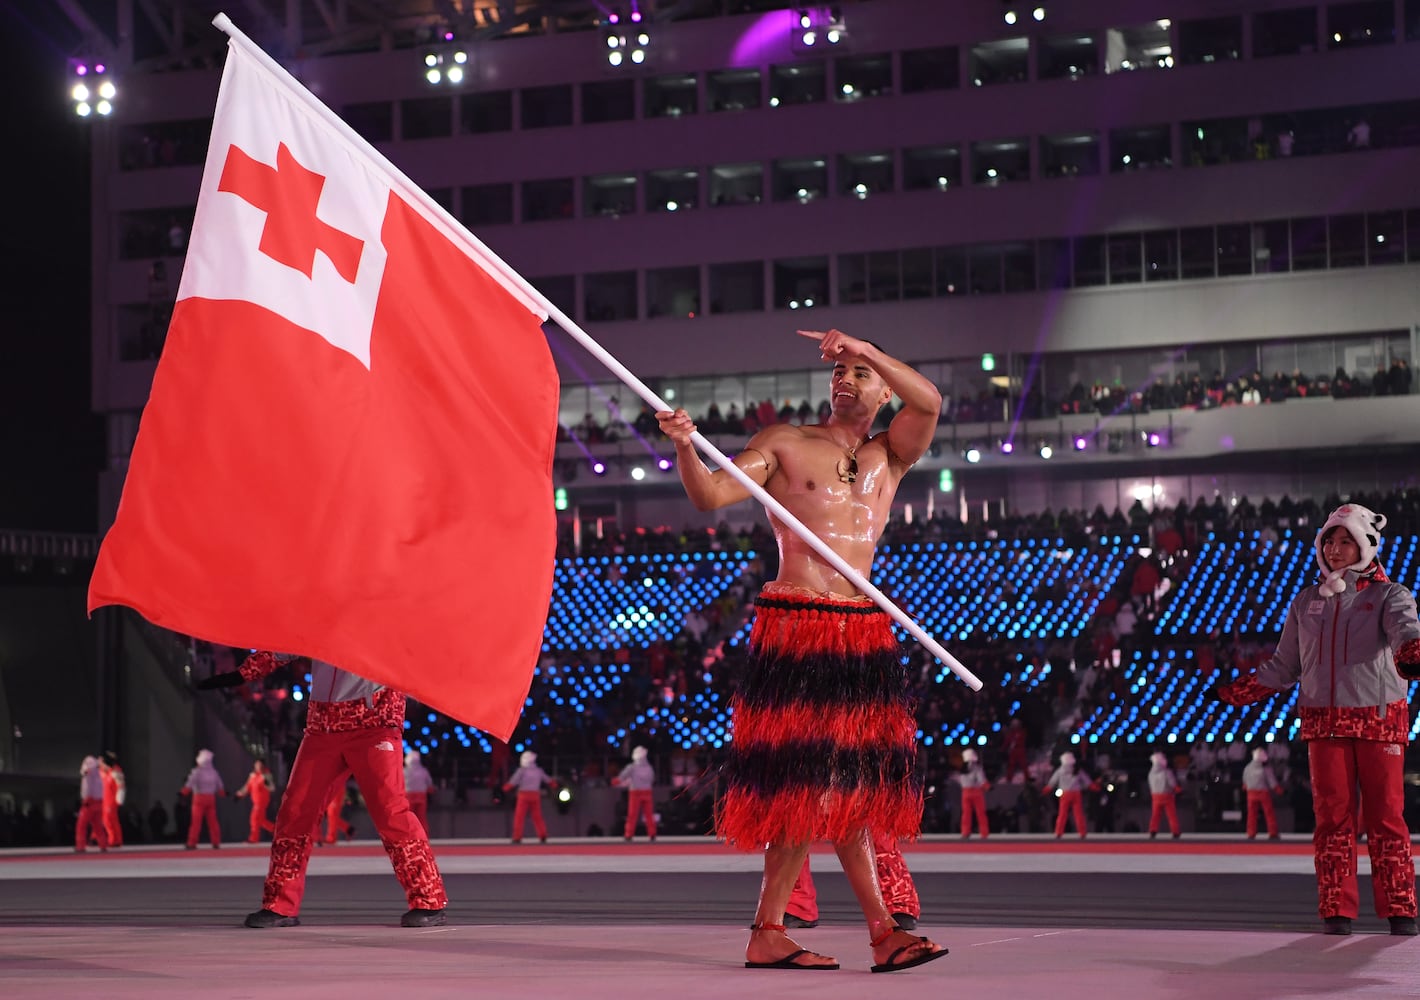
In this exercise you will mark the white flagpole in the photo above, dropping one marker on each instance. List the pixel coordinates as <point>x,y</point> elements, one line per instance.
<point>539,304</point>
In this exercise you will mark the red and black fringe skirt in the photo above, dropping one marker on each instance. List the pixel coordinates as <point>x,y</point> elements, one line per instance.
<point>824,736</point>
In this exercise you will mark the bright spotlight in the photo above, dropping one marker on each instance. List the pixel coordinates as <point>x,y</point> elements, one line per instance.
<point>455,74</point>
<point>430,59</point>
<point>82,109</point>
<point>664,464</point>
<point>433,76</point>
<point>1038,13</point>
<point>638,56</point>
<point>614,58</point>
<point>80,92</point>
<point>1046,451</point>
<point>809,37</point>
<point>973,455</point>
<point>1007,447</point>
<point>1080,442</point>
<point>599,468</point>
<point>1010,17</point>
<point>460,57</point>
<point>638,473</point>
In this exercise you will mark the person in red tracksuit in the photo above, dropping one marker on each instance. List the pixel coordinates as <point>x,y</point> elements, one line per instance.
<point>639,779</point>
<point>1261,785</point>
<point>1069,784</point>
<point>528,779</point>
<point>335,824</point>
<point>352,725</point>
<point>973,794</point>
<point>91,807</point>
<point>1163,793</point>
<point>204,784</point>
<point>259,787</point>
<point>115,792</point>
<point>1352,642</point>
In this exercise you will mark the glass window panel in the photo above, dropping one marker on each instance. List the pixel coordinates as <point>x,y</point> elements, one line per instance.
<point>486,112</point>
<point>1018,267</point>
<point>1126,258</point>
<point>547,107</point>
<point>1141,47</point>
<point>930,69</point>
<point>951,271</point>
<point>852,279</point>
<point>984,267</point>
<point>737,287</point>
<point>608,101</point>
<point>1412,20</point>
<point>1000,161</point>
<point>1284,32</point>
<point>561,291</point>
<point>1070,155</point>
<point>801,283</point>
<point>1412,234</point>
<point>426,118</point>
<point>1136,148</point>
<point>548,199</point>
<point>1161,255</point>
<point>1216,39</point>
<point>1220,140</point>
<point>1308,244</point>
<point>672,190</point>
<point>737,184</point>
<point>609,195</point>
<point>884,276</point>
<point>1004,61</point>
<point>862,174</point>
<point>801,83</point>
<point>800,180</point>
<point>1347,236</point>
<point>374,121</point>
<point>936,168</point>
<point>1272,247</point>
<point>733,90</point>
<point>609,296</point>
<point>1088,253</point>
<point>1068,57</point>
<point>1197,250</point>
<point>1053,264</point>
<point>1235,251</point>
<point>917,274</point>
<point>671,96</point>
<point>1352,25</point>
<point>673,291</point>
<point>857,77</point>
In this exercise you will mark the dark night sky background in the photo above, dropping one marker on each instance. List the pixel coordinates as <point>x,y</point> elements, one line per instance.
<point>51,445</point>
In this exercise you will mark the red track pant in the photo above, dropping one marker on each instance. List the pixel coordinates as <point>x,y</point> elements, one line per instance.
<point>1164,805</point>
<point>973,804</point>
<point>1260,802</point>
<point>1070,803</point>
<point>895,881</point>
<point>529,807</point>
<point>419,805</point>
<point>91,817</point>
<point>375,758</point>
<point>638,803</point>
<point>259,821</point>
<point>1342,769</point>
<point>112,826</point>
<point>204,807</point>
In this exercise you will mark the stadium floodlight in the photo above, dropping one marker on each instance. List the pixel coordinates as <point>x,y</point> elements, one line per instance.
<point>91,88</point>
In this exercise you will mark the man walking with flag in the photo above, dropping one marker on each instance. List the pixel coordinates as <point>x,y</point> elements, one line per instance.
<point>352,725</point>
<point>824,735</point>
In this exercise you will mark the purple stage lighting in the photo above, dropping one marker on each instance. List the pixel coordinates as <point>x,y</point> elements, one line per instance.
<point>1007,447</point>
<point>1155,439</point>
<point>614,19</point>
<point>599,468</point>
<point>664,464</point>
<point>1080,443</point>
<point>81,70</point>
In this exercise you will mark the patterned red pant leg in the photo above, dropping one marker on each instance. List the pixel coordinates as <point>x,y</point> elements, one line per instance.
<point>895,881</point>
<point>1333,773</point>
<point>1380,771</point>
<point>374,755</point>
<point>803,898</point>
<point>319,762</point>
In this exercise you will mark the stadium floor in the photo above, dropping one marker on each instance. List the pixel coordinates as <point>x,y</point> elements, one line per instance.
<point>1114,916</point>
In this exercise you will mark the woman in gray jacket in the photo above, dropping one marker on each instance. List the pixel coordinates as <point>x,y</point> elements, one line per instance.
<point>1352,641</point>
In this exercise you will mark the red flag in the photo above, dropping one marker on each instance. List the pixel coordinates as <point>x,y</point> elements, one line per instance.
<point>347,452</point>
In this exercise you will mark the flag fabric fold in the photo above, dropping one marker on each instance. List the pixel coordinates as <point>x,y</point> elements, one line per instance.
<point>347,451</point>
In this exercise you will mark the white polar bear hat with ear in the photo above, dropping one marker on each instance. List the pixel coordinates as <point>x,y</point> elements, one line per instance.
<point>1067,759</point>
<point>204,757</point>
<point>1365,528</point>
<point>411,758</point>
<point>528,759</point>
<point>969,755</point>
<point>1259,754</point>
<point>639,753</point>
<point>1159,759</point>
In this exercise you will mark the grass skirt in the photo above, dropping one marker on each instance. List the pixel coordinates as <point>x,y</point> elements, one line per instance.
<point>824,736</point>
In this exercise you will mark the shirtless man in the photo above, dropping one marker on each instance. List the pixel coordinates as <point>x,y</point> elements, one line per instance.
<point>824,735</point>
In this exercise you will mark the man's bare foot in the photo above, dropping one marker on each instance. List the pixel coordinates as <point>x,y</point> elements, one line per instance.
<point>901,949</point>
<point>769,945</point>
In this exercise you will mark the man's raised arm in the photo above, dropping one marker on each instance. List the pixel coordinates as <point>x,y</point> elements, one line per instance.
<point>710,489</point>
